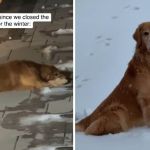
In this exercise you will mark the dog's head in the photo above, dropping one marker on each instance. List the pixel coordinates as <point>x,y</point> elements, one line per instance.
<point>142,37</point>
<point>54,76</point>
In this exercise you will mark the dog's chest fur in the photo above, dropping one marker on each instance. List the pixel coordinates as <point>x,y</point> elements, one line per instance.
<point>143,84</point>
<point>142,79</point>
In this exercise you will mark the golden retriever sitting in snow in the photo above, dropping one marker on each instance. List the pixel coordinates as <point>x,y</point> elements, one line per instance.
<point>16,75</point>
<point>128,105</point>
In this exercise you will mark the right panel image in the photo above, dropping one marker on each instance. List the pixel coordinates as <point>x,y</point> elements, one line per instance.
<point>112,75</point>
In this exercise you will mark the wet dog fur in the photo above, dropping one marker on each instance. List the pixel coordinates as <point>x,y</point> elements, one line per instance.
<point>21,74</point>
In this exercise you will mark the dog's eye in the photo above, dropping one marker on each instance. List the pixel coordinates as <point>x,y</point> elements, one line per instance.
<point>145,33</point>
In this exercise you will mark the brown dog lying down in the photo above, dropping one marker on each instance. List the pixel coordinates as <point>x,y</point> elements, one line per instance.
<point>22,74</point>
<point>128,105</point>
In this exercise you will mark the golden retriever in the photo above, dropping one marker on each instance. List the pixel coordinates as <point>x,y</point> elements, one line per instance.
<point>19,75</point>
<point>128,105</point>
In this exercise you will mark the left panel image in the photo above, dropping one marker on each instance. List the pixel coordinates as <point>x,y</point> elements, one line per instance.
<point>36,75</point>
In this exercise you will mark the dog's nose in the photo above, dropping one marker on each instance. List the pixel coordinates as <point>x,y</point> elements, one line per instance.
<point>68,75</point>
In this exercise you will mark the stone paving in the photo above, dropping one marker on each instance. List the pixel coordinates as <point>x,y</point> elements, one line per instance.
<point>39,119</point>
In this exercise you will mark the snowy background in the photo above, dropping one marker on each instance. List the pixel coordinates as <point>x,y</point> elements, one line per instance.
<point>104,46</point>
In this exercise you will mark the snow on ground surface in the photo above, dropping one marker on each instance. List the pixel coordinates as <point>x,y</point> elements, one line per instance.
<point>48,118</point>
<point>104,46</point>
<point>49,147</point>
<point>63,31</point>
<point>66,66</point>
<point>46,91</point>
<point>65,5</point>
<point>47,52</point>
<point>136,139</point>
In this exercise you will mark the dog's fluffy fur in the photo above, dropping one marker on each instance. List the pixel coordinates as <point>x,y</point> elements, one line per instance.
<point>128,105</point>
<point>16,75</point>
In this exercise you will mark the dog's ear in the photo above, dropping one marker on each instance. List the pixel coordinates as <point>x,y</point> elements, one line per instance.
<point>137,36</point>
<point>45,73</point>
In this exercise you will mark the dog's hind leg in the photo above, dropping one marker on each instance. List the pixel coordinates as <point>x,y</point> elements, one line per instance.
<point>109,122</point>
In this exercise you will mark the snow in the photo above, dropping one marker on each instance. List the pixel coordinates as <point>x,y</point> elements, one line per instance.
<point>66,66</point>
<point>45,91</point>
<point>104,46</point>
<point>48,147</point>
<point>43,148</point>
<point>62,32</point>
<point>43,7</point>
<point>10,38</point>
<point>46,52</point>
<point>33,119</point>
<point>42,119</point>
<point>65,5</point>
<point>135,139</point>
<point>56,5</point>
<point>49,49</point>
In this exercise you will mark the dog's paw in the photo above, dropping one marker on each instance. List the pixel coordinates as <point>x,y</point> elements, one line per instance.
<point>57,82</point>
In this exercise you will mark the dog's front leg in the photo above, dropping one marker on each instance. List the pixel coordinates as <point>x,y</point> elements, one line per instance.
<point>145,107</point>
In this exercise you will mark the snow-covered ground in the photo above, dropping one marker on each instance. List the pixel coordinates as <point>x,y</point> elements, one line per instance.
<point>104,46</point>
<point>136,139</point>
